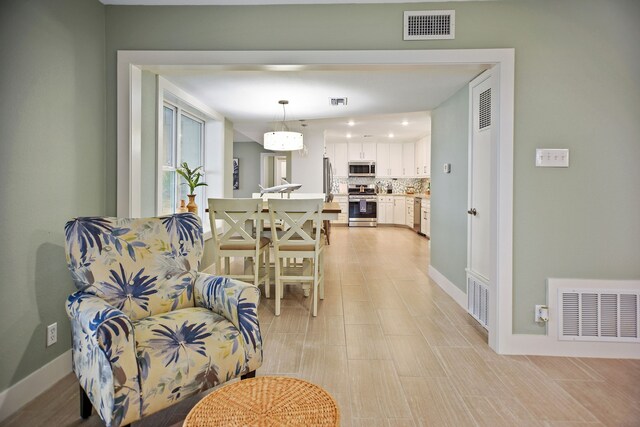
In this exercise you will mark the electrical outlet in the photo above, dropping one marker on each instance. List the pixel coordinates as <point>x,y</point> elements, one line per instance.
<point>542,313</point>
<point>52,334</point>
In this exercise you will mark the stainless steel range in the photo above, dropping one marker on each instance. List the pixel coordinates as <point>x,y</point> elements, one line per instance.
<point>363,206</point>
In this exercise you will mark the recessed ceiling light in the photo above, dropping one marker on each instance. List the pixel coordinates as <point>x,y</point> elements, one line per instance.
<point>348,135</point>
<point>351,123</point>
<point>405,122</point>
<point>390,135</point>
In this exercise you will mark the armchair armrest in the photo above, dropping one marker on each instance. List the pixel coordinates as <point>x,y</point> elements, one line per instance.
<point>104,357</point>
<point>237,301</point>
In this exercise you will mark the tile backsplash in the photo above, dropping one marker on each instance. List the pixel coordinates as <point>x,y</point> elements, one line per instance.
<point>399,185</point>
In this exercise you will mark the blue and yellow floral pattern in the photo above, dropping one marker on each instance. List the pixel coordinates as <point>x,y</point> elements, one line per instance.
<point>148,328</point>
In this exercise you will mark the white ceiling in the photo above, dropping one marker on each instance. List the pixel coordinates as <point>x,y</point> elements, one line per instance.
<point>380,97</point>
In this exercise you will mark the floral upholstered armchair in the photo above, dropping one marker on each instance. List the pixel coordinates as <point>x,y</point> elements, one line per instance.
<point>148,329</point>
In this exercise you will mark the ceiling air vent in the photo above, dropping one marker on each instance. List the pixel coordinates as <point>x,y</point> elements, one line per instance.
<point>429,24</point>
<point>338,101</point>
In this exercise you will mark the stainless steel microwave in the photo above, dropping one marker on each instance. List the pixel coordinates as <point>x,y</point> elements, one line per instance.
<point>362,168</point>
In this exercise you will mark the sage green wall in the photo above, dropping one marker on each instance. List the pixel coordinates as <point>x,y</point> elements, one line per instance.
<point>576,87</point>
<point>449,144</point>
<point>52,167</point>
<point>248,153</point>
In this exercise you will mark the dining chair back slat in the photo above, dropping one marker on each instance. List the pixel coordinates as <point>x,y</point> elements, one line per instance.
<point>301,238</point>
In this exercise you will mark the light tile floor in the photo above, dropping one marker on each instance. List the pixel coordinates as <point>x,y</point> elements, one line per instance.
<point>396,350</point>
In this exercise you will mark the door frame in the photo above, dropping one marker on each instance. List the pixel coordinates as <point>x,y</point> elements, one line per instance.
<point>130,64</point>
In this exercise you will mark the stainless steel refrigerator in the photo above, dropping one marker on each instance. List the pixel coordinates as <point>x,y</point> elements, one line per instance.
<point>327,178</point>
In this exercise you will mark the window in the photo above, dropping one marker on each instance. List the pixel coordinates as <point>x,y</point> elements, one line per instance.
<point>188,131</point>
<point>183,141</point>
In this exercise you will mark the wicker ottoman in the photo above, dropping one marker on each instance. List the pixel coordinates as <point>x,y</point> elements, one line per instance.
<point>266,401</point>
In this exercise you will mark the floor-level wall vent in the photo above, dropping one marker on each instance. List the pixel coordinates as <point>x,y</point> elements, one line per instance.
<point>599,315</point>
<point>478,300</point>
<point>429,24</point>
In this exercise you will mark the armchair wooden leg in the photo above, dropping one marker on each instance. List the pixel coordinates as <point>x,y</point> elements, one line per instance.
<point>248,375</point>
<point>85,404</point>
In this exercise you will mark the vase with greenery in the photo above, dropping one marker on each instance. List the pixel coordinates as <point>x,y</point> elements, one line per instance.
<point>192,178</point>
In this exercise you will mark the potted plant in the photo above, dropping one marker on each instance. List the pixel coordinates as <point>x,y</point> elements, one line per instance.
<point>192,178</point>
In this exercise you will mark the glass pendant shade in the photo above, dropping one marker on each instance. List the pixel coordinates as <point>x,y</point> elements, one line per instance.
<point>283,141</point>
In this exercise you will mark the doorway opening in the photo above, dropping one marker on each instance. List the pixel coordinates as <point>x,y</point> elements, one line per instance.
<point>502,61</point>
<point>273,169</point>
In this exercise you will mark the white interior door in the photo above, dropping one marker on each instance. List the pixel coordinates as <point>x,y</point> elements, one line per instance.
<point>479,210</point>
<point>280,170</point>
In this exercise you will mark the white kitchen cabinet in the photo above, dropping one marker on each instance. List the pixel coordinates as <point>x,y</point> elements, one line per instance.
<point>394,160</point>
<point>408,159</point>
<point>392,210</point>
<point>337,152</point>
<point>425,223</point>
<point>427,157</point>
<point>385,209</point>
<point>383,162</point>
<point>362,151</point>
<point>423,157</point>
<point>369,151</point>
<point>419,154</point>
<point>343,216</point>
<point>409,212</point>
<point>398,210</point>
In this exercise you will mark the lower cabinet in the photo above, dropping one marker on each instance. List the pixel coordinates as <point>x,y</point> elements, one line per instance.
<point>409,211</point>
<point>343,216</point>
<point>399,217</point>
<point>425,223</point>
<point>392,210</point>
<point>385,209</point>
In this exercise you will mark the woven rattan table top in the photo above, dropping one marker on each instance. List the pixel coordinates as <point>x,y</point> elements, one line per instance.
<point>266,401</point>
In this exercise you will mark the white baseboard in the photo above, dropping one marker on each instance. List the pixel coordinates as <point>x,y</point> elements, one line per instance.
<point>549,345</point>
<point>27,389</point>
<point>544,345</point>
<point>452,290</point>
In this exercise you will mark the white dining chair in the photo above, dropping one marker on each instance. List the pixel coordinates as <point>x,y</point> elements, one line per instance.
<point>241,237</point>
<point>300,239</point>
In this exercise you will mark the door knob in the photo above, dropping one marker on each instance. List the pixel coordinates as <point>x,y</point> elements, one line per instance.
<point>472,212</point>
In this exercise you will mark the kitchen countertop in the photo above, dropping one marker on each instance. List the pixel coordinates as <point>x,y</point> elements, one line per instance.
<point>419,195</point>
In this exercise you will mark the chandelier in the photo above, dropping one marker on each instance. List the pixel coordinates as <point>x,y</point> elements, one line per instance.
<point>283,139</point>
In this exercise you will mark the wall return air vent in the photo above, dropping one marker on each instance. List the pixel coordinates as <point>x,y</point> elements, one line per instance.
<point>429,24</point>
<point>599,315</point>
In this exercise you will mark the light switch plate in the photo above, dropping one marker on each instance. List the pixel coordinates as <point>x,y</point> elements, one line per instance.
<point>552,157</point>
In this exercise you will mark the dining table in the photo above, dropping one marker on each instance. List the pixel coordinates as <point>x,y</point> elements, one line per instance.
<point>330,211</point>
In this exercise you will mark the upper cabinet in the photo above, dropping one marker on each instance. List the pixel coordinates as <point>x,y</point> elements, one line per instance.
<point>337,153</point>
<point>362,151</point>
<point>422,165</point>
<point>383,162</point>
<point>389,161</point>
<point>408,159</point>
<point>395,160</point>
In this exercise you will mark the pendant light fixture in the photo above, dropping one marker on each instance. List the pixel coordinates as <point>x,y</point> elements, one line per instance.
<point>283,139</point>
